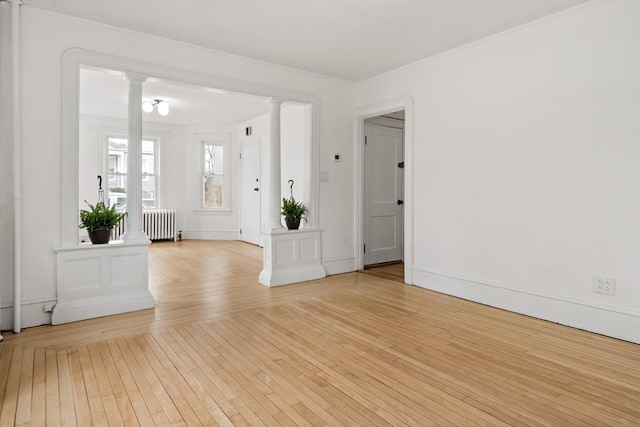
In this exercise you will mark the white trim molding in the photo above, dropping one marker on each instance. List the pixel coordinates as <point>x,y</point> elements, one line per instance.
<point>73,58</point>
<point>32,310</point>
<point>615,322</point>
<point>198,139</point>
<point>339,265</point>
<point>291,256</point>
<point>100,280</point>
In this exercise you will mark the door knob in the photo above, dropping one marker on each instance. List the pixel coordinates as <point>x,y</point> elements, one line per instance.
<point>401,202</point>
<point>256,189</point>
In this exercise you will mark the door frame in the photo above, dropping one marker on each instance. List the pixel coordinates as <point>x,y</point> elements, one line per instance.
<point>373,110</point>
<point>373,126</point>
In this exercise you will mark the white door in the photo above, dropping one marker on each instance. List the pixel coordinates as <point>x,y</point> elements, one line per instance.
<point>382,204</point>
<point>250,187</point>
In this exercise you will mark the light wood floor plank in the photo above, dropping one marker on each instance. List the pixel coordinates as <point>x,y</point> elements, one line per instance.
<point>5,363</point>
<point>306,373</point>
<point>206,393</point>
<point>121,370</point>
<point>66,398</point>
<point>126,412</point>
<point>23,408</point>
<point>39,393</point>
<point>352,349</point>
<point>96,407</point>
<point>247,393</point>
<point>180,402</point>
<point>80,396</point>
<point>148,392</point>
<point>381,365</point>
<point>52,402</point>
<point>111,411</point>
<point>288,373</point>
<point>10,399</point>
<point>138,363</point>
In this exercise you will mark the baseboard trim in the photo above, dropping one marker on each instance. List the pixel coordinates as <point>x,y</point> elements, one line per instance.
<point>615,322</point>
<point>339,265</point>
<point>100,307</point>
<point>291,275</point>
<point>32,313</point>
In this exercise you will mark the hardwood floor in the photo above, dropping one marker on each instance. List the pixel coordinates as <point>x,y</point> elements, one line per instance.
<point>390,271</point>
<point>352,349</point>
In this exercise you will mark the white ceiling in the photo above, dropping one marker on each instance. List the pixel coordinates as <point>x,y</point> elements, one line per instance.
<point>346,39</point>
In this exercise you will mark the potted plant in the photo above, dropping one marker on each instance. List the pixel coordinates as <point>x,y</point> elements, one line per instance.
<point>99,220</point>
<point>293,212</point>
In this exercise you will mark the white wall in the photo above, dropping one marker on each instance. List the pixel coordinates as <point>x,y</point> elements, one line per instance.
<point>199,223</point>
<point>6,162</point>
<point>527,167</point>
<point>42,116</point>
<point>293,135</point>
<point>294,123</point>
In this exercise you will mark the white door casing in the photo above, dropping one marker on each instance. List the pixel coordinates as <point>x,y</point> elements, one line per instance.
<point>250,188</point>
<point>383,194</point>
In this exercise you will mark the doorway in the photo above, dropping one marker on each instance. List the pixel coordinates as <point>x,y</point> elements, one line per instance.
<point>383,192</point>
<point>250,189</point>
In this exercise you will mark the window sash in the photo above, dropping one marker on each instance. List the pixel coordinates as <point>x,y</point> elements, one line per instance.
<point>212,191</point>
<point>117,150</point>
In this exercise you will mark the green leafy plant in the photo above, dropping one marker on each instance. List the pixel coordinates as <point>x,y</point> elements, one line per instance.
<point>99,217</point>
<point>292,209</point>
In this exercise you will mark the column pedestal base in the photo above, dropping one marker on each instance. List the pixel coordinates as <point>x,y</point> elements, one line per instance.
<point>101,280</point>
<point>291,256</point>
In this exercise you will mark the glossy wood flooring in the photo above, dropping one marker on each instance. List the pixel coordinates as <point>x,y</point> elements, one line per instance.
<point>220,349</point>
<point>390,271</point>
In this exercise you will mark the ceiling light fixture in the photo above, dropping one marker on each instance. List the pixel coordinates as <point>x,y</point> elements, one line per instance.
<point>163,107</point>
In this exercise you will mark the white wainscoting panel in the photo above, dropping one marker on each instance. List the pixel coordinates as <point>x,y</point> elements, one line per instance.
<point>291,256</point>
<point>100,280</point>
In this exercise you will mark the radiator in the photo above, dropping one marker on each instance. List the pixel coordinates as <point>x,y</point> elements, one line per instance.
<point>158,224</point>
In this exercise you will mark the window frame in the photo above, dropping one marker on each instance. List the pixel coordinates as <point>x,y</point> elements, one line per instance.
<point>199,141</point>
<point>156,165</point>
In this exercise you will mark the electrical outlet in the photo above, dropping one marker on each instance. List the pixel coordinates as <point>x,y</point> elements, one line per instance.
<point>597,284</point>
<point>48,308</point>
<point>603,285</point>
<point>608,285</point>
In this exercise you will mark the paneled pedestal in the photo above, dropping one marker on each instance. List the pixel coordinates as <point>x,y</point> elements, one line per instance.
<point>292,256</point>
<point>101,280</point>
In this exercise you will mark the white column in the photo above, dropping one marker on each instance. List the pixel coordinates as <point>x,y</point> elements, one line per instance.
<point>275,199</point>
<point>134,231</point>
<point>289,256</point>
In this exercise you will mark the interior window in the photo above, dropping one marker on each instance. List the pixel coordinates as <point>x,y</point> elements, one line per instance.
<point>213,174</point>
<point>117,173</point>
